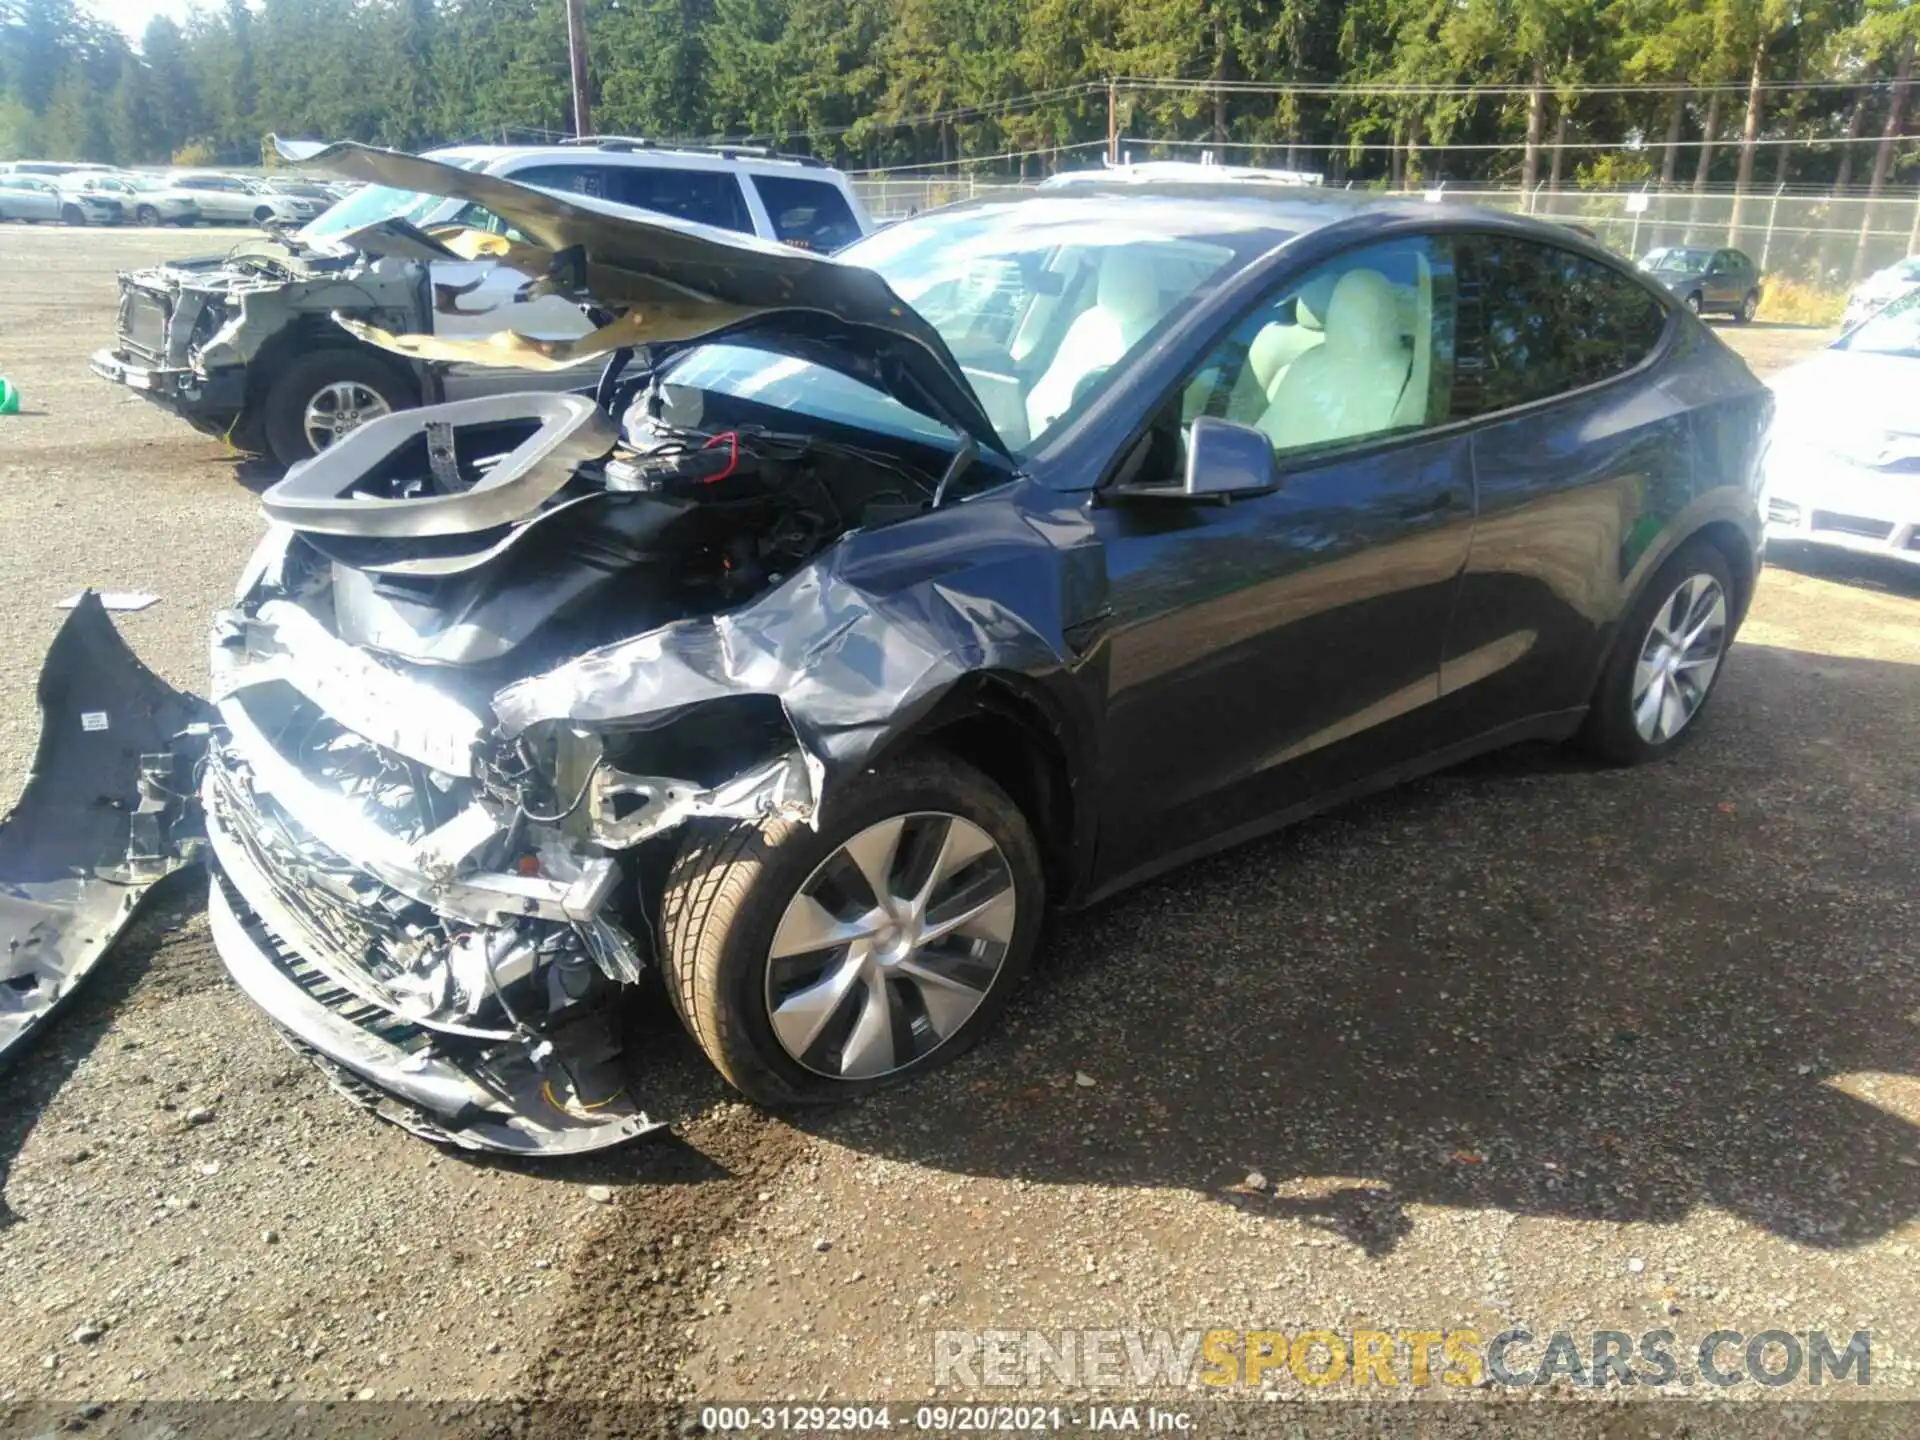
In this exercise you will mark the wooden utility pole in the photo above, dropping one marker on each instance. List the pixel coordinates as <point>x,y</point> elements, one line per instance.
<point>577,59</point>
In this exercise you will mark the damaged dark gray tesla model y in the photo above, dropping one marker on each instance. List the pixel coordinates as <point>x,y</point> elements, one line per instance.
<point>876,602</point>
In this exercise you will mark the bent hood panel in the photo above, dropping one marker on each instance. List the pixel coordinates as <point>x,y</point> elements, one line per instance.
<point>92,832</point>
<point>668,276</point>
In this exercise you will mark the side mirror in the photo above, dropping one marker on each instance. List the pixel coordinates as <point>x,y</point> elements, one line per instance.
<point>1226,458</point>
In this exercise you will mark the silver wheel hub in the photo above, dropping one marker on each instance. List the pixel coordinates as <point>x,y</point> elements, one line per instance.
<point>1679,657</point>
<point>337,410</point>
<point>890,946</point>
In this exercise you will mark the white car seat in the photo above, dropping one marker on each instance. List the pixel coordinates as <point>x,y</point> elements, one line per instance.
<point>1351,383</point>
<point>1125,306</point>
<point>1277,346</point>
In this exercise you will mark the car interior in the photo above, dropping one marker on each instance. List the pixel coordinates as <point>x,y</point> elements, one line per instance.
<point>1347,352</point>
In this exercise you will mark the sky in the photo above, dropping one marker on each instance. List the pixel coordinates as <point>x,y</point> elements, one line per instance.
<point>132,15</point>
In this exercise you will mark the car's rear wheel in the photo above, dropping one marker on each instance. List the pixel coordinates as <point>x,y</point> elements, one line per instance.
<point>146,215</point>
<point>322,397</point>
<point>1694,302</point>
<point>262,215</point>
<point>1749,307</point>
<point>815,965</point>
<point>72,215</point>
<point>1669,653</point>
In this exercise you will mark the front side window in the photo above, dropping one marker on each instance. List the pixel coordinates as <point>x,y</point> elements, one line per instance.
<point>808,214</point>
<point>1358,348</point>
<point>1538,321</point>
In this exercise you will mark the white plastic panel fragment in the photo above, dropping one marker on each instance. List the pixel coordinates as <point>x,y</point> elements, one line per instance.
<point>326,495</point>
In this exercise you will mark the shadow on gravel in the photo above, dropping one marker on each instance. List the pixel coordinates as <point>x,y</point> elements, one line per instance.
<point>1526,984</point>
<point>36,1074</point>
<point>1847,567</point>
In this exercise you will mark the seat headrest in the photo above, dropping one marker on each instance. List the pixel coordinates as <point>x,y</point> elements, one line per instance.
<point>1310,305</point>
<point>1129,290</point>
<point>1362,317</point>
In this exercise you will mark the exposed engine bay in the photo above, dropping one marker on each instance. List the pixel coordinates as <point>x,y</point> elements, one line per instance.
<point>380,847</point>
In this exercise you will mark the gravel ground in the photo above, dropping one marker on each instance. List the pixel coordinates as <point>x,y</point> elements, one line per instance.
<point>1526,1043</point>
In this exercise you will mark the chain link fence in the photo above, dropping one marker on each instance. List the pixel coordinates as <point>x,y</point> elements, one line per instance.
<point>1827,241</point>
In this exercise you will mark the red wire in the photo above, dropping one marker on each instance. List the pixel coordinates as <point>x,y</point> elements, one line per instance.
<point>732,437</point>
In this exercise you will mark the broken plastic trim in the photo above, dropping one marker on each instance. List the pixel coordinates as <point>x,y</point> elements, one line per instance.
<point>105,815</point>
<point>321,494</point>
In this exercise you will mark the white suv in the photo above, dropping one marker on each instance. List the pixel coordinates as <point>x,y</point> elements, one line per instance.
<point>795,200</point>
<point>245,346</point>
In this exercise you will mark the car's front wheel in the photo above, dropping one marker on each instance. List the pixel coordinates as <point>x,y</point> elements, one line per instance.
<point>322,397</point>
<point>1669,653</point>
<point>814,965</point>
<point>1694,302</point>
<point>1749,307</point>
<point>72,215</point>
<point>146,215</point>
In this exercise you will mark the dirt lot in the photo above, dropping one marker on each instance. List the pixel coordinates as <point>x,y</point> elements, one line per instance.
<point>1525,1044</point>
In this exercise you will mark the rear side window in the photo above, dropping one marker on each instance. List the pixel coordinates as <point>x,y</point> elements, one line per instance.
<point>808,214</point>
<point>569,179</point>
<point>1538,321</point>
<point>707,197</point>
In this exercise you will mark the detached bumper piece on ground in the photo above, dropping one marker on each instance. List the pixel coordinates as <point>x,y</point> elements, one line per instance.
<point>104,817</point>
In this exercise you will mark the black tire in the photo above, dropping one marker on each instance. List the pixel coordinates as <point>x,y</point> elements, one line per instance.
<point>283,410</point>
<point>1695,303</point>
<point>1610,732</point>
<point>1749,307</point>
<point>185,221</point>
<point>72,215</point>
<point>731,884</point>
<point>146,215</point>
<point>262,215</point>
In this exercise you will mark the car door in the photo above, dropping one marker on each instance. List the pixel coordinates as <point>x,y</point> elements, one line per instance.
<point>43,200</point>
<point>1579,445</point>
<point>1724,280</point>
<point>1270,652</point>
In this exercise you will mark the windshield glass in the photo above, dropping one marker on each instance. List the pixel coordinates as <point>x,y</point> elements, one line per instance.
<point>1894,331</point>
<point>1678,258</point>
<point>1040,301</point>
<point>374,203</point>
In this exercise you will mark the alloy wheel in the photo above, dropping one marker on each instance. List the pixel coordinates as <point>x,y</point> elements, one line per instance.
<point>1749,307</point>
<point>1693,303</point>
<point>338,409</point>
<point>890,946</point>
<point>1678,658</point>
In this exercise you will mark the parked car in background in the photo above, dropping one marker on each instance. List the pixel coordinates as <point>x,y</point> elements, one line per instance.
<point>48,197</point>
<point>1098,529</point>
<point>29,197</point>
<point>236,200</point>
<point>312,191</point>
<point>1844,467</point>
<point>244,345</point>
<point>55,167</point>
<point>307,202</point>
<point>1881,289</point>
<point>1708,281</point>
<point>143,199</point>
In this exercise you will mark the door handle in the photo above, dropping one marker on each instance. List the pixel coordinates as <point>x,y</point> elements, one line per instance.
<point>1429,505</point>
